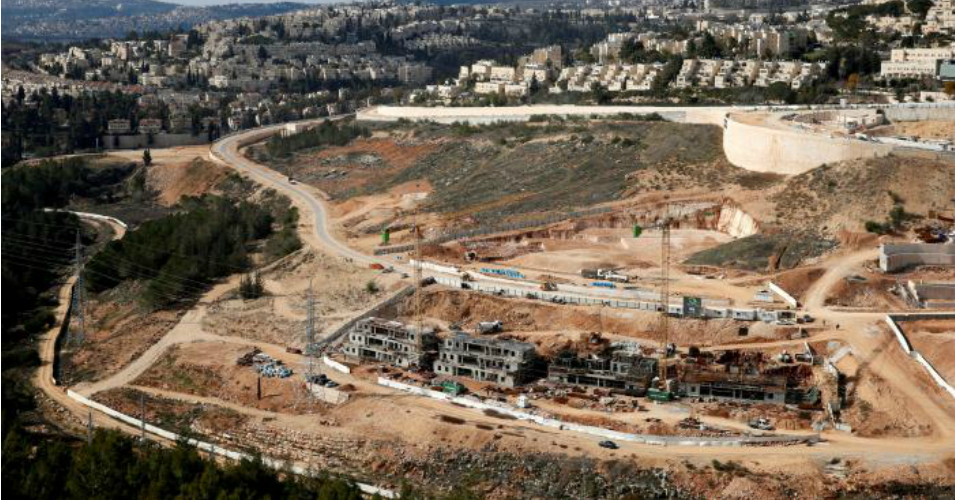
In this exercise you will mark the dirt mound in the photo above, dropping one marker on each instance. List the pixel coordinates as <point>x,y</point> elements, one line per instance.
<point>797,281</point>
<point>173,181</point>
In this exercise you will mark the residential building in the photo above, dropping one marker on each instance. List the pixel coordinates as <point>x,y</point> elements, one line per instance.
<point>916,63</point>
<point>380,340</point>
<point>627,371</point>
<point>504,362</point>
<point>727,386</point>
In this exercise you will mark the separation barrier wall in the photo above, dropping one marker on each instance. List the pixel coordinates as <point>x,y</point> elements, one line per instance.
<point>477,404</point>
<point>917,356</point>
<point>939,112</point>
<point>272,463</point>
<point>764,148</point>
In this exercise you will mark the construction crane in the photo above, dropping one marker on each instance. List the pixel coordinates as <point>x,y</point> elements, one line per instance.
<point>662,392</point>
<point>416,234</point>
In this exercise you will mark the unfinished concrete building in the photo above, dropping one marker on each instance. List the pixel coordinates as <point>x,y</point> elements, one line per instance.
<point>385,341</point>
<point>627,371</point>
<point>729,386</point>
<point>896,257</point>
<point>932,295</point>
<point>504,362</point>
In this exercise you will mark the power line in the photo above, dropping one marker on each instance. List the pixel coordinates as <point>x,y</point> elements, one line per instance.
<point>197,284</point>
<point>167,279</point>
<point>124,241</point>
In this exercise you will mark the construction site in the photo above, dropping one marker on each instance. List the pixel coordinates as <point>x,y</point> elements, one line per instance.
<point>669,317</point>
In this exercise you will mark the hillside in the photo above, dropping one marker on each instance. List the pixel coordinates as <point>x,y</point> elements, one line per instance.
<point>846,194</point>
<point>64,20</point>
<point>488,173</point>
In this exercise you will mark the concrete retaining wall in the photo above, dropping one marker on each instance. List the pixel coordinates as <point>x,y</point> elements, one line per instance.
<point>335,365</point>
<point>896,256</point>
<point>790,152</point>
<point>342,330</point>
<point>280,465</point>
<point>477,404</point>
<point>917,356</point>
<point>940,112</point>
<point>788,299</point>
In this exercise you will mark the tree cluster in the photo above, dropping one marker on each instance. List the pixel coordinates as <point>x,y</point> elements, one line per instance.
<point>179,255</point>
<point>114,466</point>
<point>327,134</point>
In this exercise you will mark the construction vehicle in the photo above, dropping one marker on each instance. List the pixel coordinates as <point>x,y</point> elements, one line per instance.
<point>467,277</point>
<point>605,274</point>
<point>761,423</point>
<point>484,327</point>
<point>549,286</point>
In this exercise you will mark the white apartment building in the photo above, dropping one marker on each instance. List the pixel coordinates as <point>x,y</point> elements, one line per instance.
<point>940,18</point>
<point>916,63</point>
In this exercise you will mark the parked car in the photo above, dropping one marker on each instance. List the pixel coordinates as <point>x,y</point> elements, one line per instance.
<point>610,445</point>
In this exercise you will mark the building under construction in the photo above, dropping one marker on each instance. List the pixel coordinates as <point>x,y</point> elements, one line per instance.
<point>505,362</point>
<point>733,385</point>
<point>622,370</point>
<point>377,339</point>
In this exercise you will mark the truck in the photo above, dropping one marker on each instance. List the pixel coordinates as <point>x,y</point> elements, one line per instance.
<point>489,326</point>
<point>549,286</point>
<point>605,274</point>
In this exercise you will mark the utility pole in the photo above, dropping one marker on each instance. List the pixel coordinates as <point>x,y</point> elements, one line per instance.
<point>310,364</point>
<point>89,429</point>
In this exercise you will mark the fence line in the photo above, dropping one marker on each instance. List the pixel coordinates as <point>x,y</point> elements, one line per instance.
<point>272,463</point>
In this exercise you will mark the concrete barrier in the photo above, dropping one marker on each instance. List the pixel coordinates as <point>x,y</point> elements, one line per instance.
<point>335,365</point>
<point>436,267</point>
<point>272,463</point>
<point>477,404</point>
<point>788,299</point>
<point>917,356</point>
